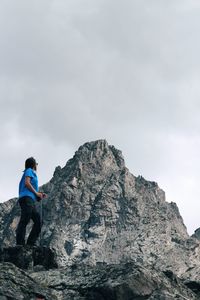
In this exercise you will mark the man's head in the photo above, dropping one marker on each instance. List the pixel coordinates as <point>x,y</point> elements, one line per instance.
<point>31,163</point>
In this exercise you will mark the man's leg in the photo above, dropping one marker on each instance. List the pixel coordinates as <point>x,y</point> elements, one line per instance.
<point>26,212</point>
<point>36,227</point>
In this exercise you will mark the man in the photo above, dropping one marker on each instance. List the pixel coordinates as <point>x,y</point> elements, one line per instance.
<point>28,194</point>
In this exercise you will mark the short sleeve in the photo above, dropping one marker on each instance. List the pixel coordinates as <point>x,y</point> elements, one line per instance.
<point>29,173</point>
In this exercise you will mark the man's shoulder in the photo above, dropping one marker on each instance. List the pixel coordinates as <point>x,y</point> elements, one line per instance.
<point>30,172</point>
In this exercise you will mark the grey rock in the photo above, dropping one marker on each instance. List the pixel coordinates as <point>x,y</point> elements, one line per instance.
<point>117,282</point>
<point>29,257</point>
<point>83,282</point>
<point>108,217</point>
<point>15,284</point>
<point>197,234</point>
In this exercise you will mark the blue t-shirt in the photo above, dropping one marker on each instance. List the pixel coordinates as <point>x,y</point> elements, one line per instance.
<point>23,190</point>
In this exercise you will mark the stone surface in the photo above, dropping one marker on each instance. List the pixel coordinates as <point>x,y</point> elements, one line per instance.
<point>29,257</point>
<point>15,284</point>
<point>83,282</point>
<point>108,217</point>
<point>114,282</point>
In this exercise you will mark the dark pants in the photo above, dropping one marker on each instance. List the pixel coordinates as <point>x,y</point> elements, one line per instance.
<point>28,212</point>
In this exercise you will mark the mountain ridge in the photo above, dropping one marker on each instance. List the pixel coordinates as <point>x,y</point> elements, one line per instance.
<point>109,216</point>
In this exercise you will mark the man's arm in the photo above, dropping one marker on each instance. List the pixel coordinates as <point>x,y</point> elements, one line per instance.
<point>31,188</point>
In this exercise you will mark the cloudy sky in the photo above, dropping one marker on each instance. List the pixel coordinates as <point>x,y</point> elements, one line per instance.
<point>79,70</point>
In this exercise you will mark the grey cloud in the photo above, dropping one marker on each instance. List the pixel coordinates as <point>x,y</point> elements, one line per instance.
<point>62,62</point>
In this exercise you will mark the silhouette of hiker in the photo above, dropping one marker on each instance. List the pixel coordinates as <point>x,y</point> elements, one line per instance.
<point>28,194</point>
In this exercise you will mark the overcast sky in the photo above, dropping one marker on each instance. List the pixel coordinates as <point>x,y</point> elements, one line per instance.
<point>73,71</point>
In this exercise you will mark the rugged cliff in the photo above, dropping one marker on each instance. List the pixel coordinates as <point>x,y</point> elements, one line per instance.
<point>97,212</point>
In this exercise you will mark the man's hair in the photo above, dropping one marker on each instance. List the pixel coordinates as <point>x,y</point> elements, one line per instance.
<point>30,163</point>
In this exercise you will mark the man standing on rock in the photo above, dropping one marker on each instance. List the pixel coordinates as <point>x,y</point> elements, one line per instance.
<point>28,194</point>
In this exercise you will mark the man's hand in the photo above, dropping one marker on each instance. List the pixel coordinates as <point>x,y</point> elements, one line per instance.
<point>40,196</point>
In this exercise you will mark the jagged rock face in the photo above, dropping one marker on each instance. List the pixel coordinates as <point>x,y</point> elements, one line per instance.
<point>111,216</point>
<point>83,282</point>
<point>9,218</point>
<point>114,282</point>
<point>15,284</point>
<point>29,257</point>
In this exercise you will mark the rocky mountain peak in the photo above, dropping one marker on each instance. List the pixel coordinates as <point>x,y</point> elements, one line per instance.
<point>91,159</point>
<point>97,212</point>
<point>100,151</point>
<point>94,163</point>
